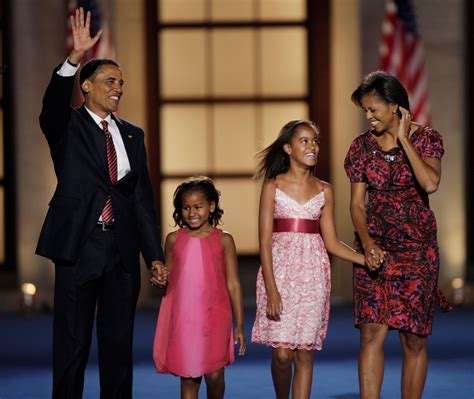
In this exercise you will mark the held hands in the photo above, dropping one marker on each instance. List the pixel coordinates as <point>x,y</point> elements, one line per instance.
<point>240,338</point>
<point>82,40</point>
<point>274,305</point>
<point>405,124</point>
<point>374,256</point>
<point>159,274</point>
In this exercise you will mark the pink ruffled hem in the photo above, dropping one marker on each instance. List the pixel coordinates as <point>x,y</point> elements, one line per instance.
<point>309,347</point>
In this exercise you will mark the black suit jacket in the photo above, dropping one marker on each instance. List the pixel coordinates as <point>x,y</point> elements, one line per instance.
<point>78,151</point>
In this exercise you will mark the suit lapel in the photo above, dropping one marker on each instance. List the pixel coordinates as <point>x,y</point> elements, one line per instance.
<point>98,140</point>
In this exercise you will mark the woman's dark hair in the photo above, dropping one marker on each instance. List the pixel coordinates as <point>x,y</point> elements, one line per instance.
<point>273,159</point>
<point>385,86</point>
<point>197,184</point>
<point>90,69</point>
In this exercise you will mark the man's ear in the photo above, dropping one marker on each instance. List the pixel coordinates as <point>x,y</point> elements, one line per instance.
<point>85,86</point>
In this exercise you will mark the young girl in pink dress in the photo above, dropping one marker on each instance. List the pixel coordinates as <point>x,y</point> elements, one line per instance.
<point>194,330</point>
<point>296,230</point>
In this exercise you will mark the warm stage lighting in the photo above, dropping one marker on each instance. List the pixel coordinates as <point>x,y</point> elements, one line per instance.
<point>28,290</point>
<point>458,290</point>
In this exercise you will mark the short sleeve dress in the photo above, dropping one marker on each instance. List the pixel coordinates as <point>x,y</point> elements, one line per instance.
<point>404,291</point>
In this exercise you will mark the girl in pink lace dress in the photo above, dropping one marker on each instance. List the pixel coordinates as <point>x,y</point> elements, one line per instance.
<point>296,229</point>
<point>194,331</point>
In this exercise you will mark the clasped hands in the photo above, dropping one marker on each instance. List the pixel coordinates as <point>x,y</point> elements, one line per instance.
<point>374,257</point>
<point>159,274</point>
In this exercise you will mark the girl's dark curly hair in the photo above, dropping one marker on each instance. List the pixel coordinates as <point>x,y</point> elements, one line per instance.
<point>199,184</point>
<point>273,159</point>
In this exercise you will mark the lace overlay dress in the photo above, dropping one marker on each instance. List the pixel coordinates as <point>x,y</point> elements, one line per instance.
<point>302,274</point>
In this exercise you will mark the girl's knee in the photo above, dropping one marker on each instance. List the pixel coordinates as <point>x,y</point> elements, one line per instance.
<point>283,357</point>
<point>304,358</point>
<point>190,386</point>
<point>215,378</point>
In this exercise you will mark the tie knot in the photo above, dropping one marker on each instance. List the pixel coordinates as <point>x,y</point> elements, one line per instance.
<point>105,125</point>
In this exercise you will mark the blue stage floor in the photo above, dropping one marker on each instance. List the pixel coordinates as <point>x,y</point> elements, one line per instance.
<point>25,372</point>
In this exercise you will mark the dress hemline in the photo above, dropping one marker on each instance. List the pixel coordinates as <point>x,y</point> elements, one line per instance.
<point>288,345</point>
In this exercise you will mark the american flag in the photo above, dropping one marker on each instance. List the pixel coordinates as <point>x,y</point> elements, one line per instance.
<point>401,54</point>
<point>104,48</point>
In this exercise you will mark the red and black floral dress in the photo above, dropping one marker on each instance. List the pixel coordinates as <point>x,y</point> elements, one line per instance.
<point>403,292</point>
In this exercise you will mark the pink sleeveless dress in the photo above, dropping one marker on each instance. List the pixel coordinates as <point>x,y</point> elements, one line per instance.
<point>302,274</point>
<point>194,331</point>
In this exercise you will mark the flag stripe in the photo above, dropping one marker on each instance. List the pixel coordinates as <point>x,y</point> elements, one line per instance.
<point>401,54</point>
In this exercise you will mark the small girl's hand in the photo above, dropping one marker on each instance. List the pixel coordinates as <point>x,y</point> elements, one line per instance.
<point>274,305</point>
<point>240,338</point>
<point>374,256</point>
<point>159,274</point>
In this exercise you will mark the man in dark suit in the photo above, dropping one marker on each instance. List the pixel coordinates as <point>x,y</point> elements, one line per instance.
<point>100,217</point>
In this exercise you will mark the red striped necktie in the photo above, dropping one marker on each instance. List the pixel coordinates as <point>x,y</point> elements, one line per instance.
<point>107,212</point>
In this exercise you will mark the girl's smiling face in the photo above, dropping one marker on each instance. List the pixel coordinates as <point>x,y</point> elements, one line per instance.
<point>196,210</point>
<point>304,146</point>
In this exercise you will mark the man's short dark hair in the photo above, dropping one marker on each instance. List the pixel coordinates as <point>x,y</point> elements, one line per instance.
<point>90,68</point>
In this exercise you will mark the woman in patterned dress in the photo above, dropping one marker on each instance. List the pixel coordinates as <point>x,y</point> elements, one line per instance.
<point>397,163</point>
<point>296,230</point>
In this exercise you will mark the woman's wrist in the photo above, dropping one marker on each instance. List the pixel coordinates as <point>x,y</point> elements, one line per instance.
<point>367,243</point>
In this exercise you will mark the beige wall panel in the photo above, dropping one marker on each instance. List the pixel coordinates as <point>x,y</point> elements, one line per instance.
<point>274,116</point>
<point>346,123</point>
<point>184,141</point>
<point>233,62</point>
<point>231,10</point>
<point>234,138</point>
<point>282,9</point>
<point>239,200</point>
<point>284,61</point>
<point>130,49</point>
<point>182,10</point>
<point>183,59</point>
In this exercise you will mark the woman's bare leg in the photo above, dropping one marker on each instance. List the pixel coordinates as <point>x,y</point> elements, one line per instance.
<point>371,359</point>
<point>415,364</point>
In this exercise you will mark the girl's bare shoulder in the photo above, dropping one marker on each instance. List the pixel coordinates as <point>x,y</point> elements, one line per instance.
<point>227,239</point>
<point>322,185</point>
<point>171,237</point>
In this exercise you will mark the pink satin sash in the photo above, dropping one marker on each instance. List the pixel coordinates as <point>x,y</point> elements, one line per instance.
<point>296,226</point>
